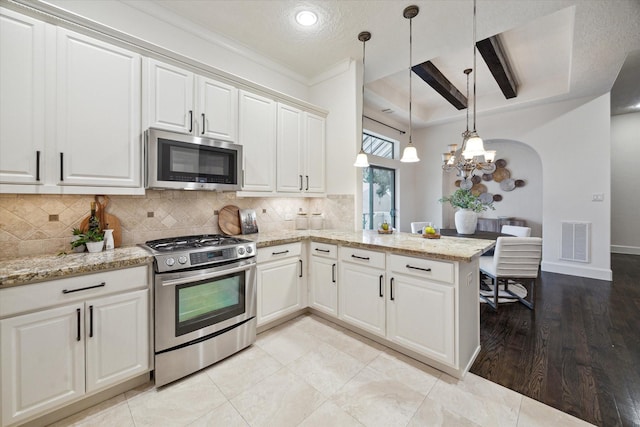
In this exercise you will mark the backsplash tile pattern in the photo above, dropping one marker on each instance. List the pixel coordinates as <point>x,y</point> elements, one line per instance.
<point>25,228</point>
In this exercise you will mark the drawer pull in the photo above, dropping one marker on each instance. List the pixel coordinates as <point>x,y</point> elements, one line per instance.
<point>67,291</point>
<point>323,250</point>
<point>280,253</point>
<point>366,258</point>
<point>418,268</point>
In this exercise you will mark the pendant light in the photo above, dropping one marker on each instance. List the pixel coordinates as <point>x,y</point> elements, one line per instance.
<point>474,146</point>
<point>361,159</point>
<point>410,155</point>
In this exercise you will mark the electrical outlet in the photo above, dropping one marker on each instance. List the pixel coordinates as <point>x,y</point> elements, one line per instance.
<point>597,197</point>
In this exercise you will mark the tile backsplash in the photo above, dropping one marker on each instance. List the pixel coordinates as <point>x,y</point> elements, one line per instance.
<point>42,224</point>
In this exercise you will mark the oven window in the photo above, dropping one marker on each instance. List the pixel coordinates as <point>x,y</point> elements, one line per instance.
<point>205,303</point>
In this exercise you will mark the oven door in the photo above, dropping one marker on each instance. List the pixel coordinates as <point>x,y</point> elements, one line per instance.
<point>194,304</point>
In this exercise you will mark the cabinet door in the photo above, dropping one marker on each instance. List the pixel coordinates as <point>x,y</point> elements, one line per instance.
<point>361,299</point>
<point>169,100</point>
<point>421,317</point>
<point>279,289</point>
<point>314,153</point>
<point>257,135</point>
<point>324,286</point>
<point>117,337</point>
<point>22,85</point>
<point>98,113</point>
<point>217,113</point>
<point>42,361</point>
<point>290,178</point>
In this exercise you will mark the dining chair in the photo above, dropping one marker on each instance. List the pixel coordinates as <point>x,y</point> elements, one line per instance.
<point>515,260</point>
<point>516,230</point>
<point>417,227</point>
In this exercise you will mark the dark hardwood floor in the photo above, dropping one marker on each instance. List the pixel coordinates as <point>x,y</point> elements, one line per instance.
<point>578,351</point>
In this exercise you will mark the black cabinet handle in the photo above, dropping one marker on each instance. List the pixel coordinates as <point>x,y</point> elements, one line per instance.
<point>323,250</point>
<point>90,321</point>
<point>380,286</point>
<point>366,258</point>
<point>392,289</point>
<point>67,291</point>
<point>78,324</point>
<point>61,166</point>
<point>418,268</point>
<point>190,121</point>
<point>300,182</point>
<point>203,123</point>
<point>307,188</point>
<point>38,165</point>
<point>300,268</point>
<point>280,253</point>
<point>333,273</point>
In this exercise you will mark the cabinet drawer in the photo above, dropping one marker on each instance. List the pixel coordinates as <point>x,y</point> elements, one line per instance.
<point>19,299</point>
<point>278,252</point>
<point>325,250</point>
<point>426,268</point>
<point>362,256</point>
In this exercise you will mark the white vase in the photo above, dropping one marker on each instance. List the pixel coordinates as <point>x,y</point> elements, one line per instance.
<point>466,221</point>
<point>108,240</point>
<point>95,246</point>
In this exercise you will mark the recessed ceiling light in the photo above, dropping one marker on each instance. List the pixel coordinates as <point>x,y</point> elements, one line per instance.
<point>306,18</point>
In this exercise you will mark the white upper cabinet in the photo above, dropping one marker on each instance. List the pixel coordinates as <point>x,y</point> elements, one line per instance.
<point>22,85</point>
<point>98,136</point>
<point>301,151</point>
<point>179,100</point>
<point>257,135</point>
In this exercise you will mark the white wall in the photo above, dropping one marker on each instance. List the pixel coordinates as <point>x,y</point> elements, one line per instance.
<point>625,175</point>
<point>572,139</point>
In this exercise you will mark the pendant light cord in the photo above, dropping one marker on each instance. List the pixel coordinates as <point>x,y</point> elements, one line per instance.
<point>364,44</point>
<point>475,70</point>
<point>410,76</point>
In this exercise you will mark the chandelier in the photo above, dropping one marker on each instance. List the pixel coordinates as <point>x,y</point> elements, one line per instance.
<point>471,156</point>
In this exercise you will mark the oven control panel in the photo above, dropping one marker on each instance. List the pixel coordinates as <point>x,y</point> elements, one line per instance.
<point>205,256</point>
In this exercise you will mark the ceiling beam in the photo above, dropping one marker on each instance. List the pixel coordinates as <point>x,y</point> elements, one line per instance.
<point>495,58</point>
<point>434,78</point>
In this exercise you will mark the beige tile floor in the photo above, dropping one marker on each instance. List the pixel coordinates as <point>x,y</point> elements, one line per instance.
<point>310,372</point>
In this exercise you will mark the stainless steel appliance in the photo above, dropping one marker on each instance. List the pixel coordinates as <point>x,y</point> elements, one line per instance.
<point>205,301</point>
<point>186,162</point>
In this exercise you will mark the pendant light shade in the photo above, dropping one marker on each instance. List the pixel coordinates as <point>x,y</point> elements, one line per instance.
<point>361,160</point>
<point>410,154</point>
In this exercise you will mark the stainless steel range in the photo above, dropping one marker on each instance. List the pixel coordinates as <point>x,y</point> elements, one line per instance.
<point>205,301</point>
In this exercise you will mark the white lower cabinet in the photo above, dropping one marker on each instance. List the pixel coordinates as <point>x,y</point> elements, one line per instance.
<point>421,310</point>
<point>323,284</point>
<point>53,356</point>
<point>361,294</point>
<point>280,282</point>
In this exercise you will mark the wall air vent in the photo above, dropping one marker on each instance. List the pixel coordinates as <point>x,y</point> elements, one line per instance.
<point>576,241</point>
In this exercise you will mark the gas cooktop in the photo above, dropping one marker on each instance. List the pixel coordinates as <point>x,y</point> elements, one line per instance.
<point>202,250</point>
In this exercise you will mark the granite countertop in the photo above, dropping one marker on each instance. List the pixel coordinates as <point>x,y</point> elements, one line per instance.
<point>21,271</point>
<point>446,248</point>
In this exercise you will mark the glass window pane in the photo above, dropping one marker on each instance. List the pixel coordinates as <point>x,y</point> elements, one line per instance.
<point>378,197</point>
<point>377,146</point>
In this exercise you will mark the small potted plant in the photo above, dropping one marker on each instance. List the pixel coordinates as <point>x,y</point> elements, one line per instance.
<point>78,240</point>
<point>95,240</point>
<point>469,205</point>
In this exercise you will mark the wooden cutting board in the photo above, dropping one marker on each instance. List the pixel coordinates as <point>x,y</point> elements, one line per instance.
<point>229,220</point>
<point>106,221</point>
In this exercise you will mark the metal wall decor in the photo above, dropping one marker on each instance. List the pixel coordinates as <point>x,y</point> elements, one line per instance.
<point>501,175</point>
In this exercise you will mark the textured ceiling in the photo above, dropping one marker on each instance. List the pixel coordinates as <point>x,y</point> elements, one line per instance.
<point>559,49</point>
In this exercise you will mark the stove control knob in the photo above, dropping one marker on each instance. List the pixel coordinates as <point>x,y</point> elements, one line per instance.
<point>249,249</point>
<point>170,262</point>
<point>241,251</point>
<point>182,260</point>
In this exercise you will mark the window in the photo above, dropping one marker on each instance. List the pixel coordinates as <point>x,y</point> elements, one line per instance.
<point>377,146</point>
<point>378,197</point>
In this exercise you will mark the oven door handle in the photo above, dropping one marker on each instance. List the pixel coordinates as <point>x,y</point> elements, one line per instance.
<point>190,279</point>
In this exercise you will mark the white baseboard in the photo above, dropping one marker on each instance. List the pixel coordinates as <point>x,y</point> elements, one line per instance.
<point>577,270</point>
<point>620,249</point>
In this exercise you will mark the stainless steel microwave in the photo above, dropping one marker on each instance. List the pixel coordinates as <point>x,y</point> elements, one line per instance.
<point>186,162</point>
